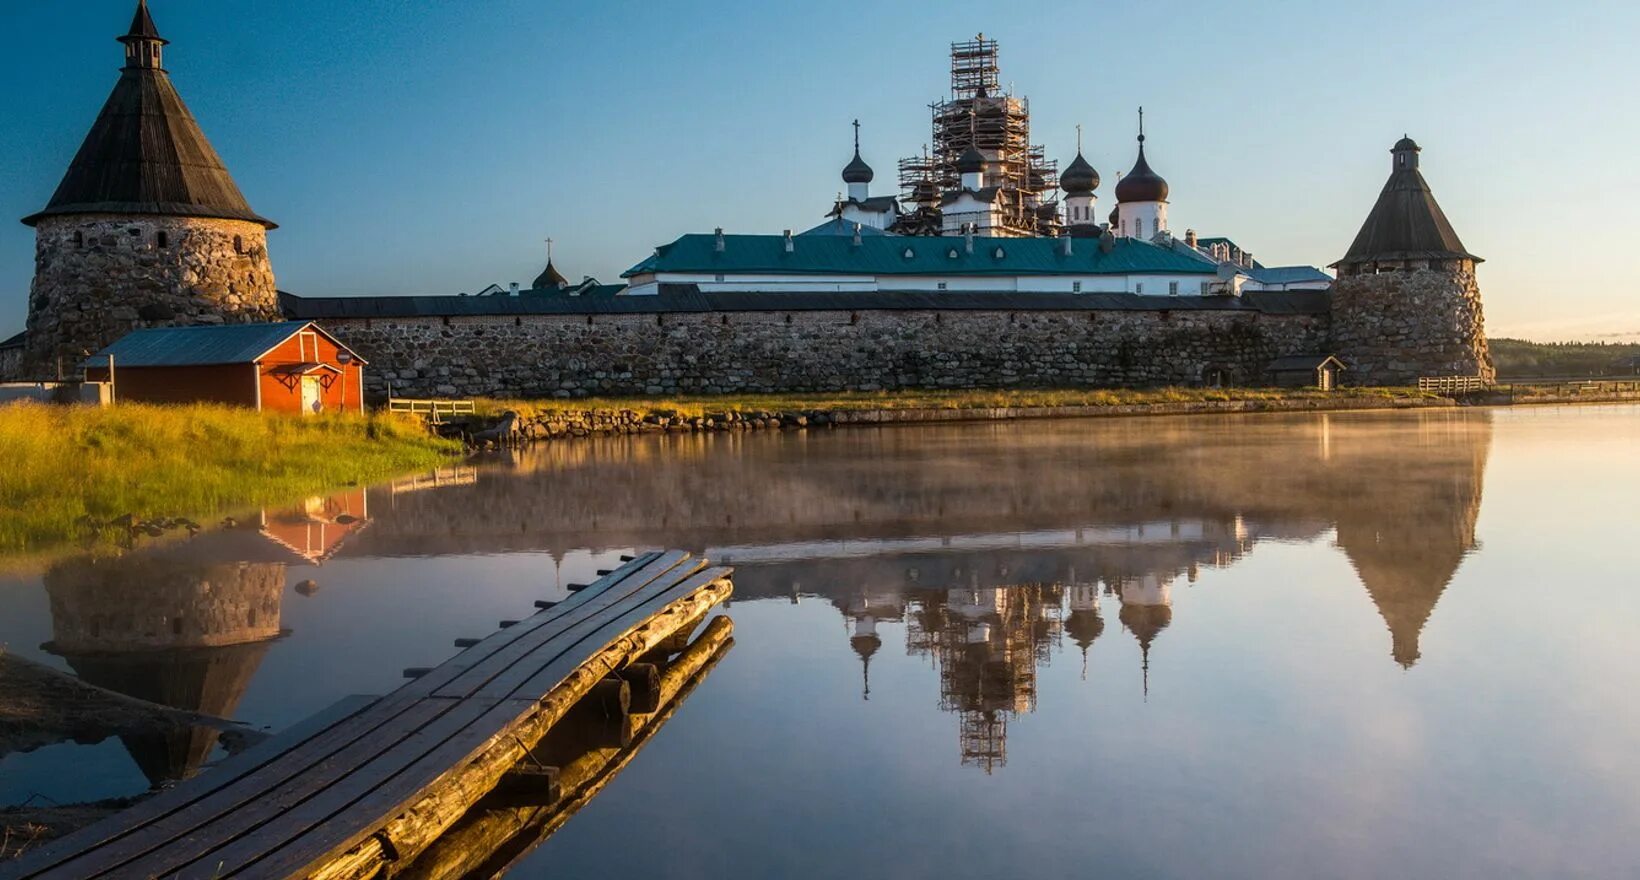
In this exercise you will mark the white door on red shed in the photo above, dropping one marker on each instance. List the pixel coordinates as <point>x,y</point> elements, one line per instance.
<point>312,400</point>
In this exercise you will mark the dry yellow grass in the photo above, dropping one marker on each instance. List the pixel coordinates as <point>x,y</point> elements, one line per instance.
<point>65,471</point>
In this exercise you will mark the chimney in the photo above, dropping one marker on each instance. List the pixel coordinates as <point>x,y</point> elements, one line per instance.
<point>789,245</point>
<point>717,243</point>
<point>968,237</point>
<point>856,241</point>
<point>1190,237</point>
<point>1107,241</point>
<point>1065,245</point>
<point>513,288</point>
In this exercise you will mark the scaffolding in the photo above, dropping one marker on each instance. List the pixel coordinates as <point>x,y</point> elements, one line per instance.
<point>980,114</point>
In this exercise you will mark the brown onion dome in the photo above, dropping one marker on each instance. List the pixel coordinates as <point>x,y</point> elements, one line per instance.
<point>1141,184</point>
<point>1079,179</point>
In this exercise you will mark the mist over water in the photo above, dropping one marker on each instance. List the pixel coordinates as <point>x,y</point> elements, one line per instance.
<point>1342,645</point>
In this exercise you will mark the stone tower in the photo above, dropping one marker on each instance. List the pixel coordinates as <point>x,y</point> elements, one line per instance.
<point>146,229</point>
<point>1406,303</point>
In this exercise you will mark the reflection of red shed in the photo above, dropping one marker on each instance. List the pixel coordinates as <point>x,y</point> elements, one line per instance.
<point>293,366</point>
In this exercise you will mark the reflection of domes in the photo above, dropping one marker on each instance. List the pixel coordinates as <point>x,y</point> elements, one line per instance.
<point>1084,626</point>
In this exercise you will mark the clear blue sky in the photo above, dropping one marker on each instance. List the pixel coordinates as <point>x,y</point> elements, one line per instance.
<point>429,147</point>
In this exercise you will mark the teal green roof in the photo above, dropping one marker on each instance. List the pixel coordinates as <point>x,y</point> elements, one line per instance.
<point>906,255</point>
<point>196,346</point>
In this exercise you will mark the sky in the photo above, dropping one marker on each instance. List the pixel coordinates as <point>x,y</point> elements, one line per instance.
<point>431,146</point>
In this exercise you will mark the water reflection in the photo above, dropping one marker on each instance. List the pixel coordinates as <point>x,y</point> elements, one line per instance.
<point>186,624</point>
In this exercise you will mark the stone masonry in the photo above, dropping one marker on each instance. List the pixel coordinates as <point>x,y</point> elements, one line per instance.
<point>1394,327</point>
<point>100,276</point>
<point>770,351</point>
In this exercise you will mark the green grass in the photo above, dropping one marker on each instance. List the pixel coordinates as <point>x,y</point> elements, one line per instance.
<point>67,471</point>
<point>692,406</point>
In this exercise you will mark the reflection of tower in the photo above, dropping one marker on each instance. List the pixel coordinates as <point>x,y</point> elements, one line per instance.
<point>1147,609</point>
<point>164,629</point>
<point>1084,623</point>
<point>1407,534</point>
<point>987,644</point>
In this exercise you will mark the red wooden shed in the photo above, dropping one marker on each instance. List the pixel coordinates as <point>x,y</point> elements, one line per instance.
<point>293,366</point>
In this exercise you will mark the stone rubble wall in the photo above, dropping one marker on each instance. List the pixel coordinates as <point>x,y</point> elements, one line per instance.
<point>1392,328</point>
<point>541,356</point>
<point>100,276</point>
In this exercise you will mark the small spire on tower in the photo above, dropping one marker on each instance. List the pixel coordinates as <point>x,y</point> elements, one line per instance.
<point>143,42</point>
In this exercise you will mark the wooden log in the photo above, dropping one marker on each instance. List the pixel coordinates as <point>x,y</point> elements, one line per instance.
<point>645,679</point>
<point>444,802</point>
<point>534,783</point>
<point>613,696</point>
<point>498,833</point>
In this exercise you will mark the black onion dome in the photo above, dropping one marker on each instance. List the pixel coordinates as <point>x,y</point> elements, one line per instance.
<point>971,161</point>
<point>1141,184</point>
<point>857,171</point>
<point>1079,179</point>
<point>549,279</point>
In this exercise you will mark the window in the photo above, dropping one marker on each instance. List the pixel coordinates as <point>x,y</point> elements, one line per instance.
<point>1139,287</point>
<point>942,285</point>
<point>1076,287</point>
<point>79,238</point>
<point>163,239</point>
<point>719,276</point>
<point>1172,288</point>
<point>238,245</point>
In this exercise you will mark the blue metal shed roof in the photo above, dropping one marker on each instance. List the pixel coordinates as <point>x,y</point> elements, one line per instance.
<point>905,255</point>
<point>1288,274</point>
<point>196,346</point>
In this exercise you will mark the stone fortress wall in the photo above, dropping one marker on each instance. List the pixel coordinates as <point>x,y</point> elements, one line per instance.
<point>816,351</point>
<point>100,276</point>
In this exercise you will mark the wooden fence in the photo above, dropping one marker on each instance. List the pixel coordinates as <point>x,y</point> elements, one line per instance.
<point>1451,384</point>
<point>432,410</point>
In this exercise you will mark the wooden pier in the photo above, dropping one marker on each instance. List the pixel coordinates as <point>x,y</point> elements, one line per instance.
<point>525,725</point>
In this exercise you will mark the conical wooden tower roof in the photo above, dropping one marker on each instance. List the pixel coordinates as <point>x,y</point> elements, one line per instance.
<point>1406,223</point>
<point>145,154</point>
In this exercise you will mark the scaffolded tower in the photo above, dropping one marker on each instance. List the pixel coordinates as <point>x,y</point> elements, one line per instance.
<point>978,112</point>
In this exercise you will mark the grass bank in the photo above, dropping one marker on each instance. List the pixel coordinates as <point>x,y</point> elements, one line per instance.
<point>68,472</point>
<point>862,401</point>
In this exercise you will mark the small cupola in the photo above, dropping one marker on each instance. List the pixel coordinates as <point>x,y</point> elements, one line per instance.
<point>143,44</point>
<point>857,174</point>
<point>1406,152</point>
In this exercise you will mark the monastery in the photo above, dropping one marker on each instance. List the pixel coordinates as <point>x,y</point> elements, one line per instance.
<point>990,268</point>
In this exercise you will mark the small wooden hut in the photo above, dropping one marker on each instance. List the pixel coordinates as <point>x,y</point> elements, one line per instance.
<point>1305,371</point>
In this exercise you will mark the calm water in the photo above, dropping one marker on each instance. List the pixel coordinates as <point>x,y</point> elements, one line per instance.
<point>1398,645</point>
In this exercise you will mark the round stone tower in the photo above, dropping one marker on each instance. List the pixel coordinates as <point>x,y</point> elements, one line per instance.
<point>1406,304</point>
<point>147,227</point>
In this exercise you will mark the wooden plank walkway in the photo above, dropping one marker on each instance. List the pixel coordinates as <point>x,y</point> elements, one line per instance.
<point>377,781</point>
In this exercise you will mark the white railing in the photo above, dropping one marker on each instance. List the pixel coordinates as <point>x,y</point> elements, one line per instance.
<point>431,410</point>
<point>1451,384</point>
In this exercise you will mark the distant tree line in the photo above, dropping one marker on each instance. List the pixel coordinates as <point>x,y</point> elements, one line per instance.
<point>1522,359</point>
